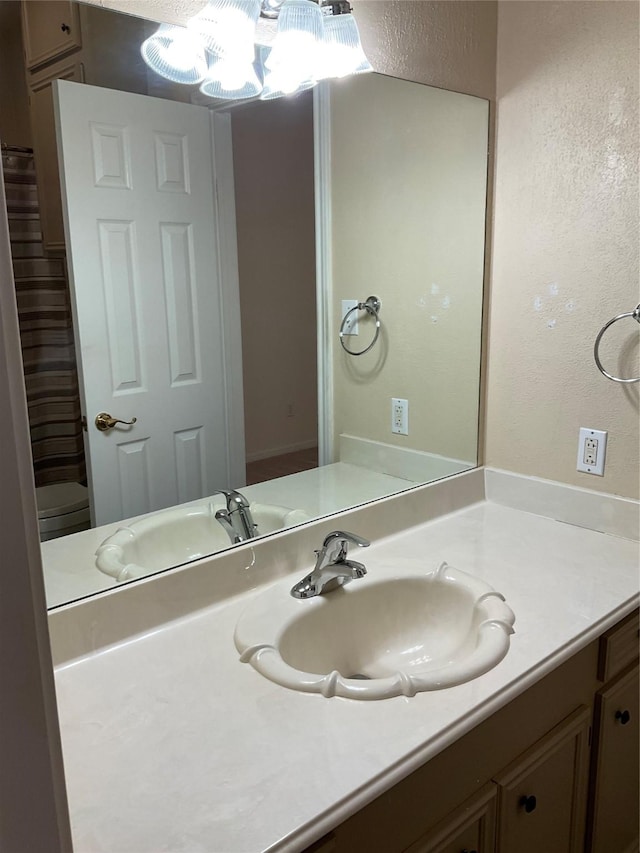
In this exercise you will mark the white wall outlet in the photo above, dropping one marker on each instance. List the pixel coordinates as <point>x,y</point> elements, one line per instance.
<point>399,416</point>
<point>351,326</point>
<point>592,450</point>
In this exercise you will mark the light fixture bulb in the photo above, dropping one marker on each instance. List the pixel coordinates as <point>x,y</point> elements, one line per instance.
<point>230,79</point>
<point>176,54</point>
<point>298,40</point>
<point>341,53</point>
<point>228,27</point>
<point>281,82</point>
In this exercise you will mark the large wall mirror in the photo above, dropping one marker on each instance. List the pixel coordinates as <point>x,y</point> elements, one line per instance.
<point>185,268</point>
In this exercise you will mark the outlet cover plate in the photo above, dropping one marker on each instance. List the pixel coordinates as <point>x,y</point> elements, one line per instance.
<point>399,416</point>
<point>592,451</point>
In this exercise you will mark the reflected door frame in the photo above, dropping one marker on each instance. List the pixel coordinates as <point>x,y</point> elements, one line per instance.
<point>324,268</point>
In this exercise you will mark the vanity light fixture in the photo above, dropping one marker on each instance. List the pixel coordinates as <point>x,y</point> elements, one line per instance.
<point>298,42</point>
<point>176,54</point>
<point>341,50</point>
<point>227,28</point>
<point>295,54</point>
<point>230,79</point>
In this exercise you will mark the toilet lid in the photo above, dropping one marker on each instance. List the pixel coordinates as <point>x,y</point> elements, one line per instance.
<point>61,498</point>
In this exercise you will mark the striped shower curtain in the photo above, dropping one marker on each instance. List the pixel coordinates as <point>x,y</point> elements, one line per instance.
<point>46,333</point>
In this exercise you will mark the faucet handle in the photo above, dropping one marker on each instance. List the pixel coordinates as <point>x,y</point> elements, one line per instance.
<point>336,545</point>
<point>345,536</point>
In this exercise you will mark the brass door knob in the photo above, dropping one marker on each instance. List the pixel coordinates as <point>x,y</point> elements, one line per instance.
<point>104,421</point>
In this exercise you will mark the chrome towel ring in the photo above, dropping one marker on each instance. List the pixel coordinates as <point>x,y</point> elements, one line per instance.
<point>371,306</point>
<point>636,316</point>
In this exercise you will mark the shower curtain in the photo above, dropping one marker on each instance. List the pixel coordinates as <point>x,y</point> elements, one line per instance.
<point>46,332</point>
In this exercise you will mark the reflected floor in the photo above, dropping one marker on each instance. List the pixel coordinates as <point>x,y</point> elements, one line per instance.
<point>281,466</point>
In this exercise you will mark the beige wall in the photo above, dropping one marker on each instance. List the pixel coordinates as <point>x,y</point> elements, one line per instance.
<point>273,172</point>
<point>565,249</point>
<point>446,43</point>
<point>409,171</point>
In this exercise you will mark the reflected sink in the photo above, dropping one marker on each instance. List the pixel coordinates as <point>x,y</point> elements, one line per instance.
<point>179,535</point>
<point>377,638</point>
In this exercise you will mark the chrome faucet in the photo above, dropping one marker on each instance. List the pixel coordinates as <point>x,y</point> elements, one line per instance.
<point>332,568</point>
<point>236,518</point>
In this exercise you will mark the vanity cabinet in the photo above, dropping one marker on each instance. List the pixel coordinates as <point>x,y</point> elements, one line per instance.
<point>471,827</point>
<point>556,770</point>
<point>615,788</point>
<point>542,795</point>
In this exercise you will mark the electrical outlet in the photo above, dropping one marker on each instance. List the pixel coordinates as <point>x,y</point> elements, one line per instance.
<point>592,450</point>
<point>351,326</point>
<point>399,416</point>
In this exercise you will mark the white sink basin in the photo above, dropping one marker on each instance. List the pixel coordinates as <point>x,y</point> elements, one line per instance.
<point>377,638</point>
<point>179,535</point>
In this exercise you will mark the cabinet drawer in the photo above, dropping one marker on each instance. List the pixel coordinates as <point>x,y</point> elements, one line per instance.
<point>542,796</point>
<point>470,827</point>
<point>619,647</point>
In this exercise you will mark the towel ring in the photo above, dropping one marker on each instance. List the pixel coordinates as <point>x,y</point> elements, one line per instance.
<point>596,354</point>
<point>371,306</point>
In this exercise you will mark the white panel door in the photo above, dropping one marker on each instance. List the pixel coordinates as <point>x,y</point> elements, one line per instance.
<point>142,245</point>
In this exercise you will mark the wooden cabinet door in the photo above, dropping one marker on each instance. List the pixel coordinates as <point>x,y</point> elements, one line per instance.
<point>470,829</point>
<point>615,789</point>
<point>50,30</point>
<point>542,795</point>
<point>45,148</point>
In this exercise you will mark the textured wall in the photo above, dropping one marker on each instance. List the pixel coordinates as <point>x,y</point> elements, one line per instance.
<point>565,249</point>
<point>409,173</point>
<point>447,43</point>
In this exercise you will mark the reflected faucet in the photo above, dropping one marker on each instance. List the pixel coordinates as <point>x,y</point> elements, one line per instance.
<point>236,518</point>
<point>332,568</point>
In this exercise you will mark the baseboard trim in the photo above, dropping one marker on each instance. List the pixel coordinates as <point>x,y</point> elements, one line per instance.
<point>416,466</point>
<point>270,452</point>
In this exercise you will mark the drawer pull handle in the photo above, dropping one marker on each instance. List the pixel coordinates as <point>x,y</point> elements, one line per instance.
<point>623,717</point>
<point>528,803</point>
<point>65,28</point>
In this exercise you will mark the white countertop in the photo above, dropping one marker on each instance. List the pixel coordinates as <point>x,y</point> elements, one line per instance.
<point>171,744</point>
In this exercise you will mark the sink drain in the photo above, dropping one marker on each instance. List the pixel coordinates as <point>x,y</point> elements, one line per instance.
<point>360,677</point>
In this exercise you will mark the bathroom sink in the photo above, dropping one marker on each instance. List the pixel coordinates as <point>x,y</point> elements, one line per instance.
<point>179,535</point>
<point>378,637</point>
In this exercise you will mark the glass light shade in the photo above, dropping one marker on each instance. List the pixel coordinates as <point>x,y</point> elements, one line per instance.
<point>282,81</point>
<point>228,27</point>
<point>176,54</point>
<point>296,46</point>
<point>341,51</point>
<point>230,79</point>
<point>279,86</point>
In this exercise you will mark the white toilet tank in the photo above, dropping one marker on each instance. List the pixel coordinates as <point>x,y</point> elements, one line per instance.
<point>62,508</point>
